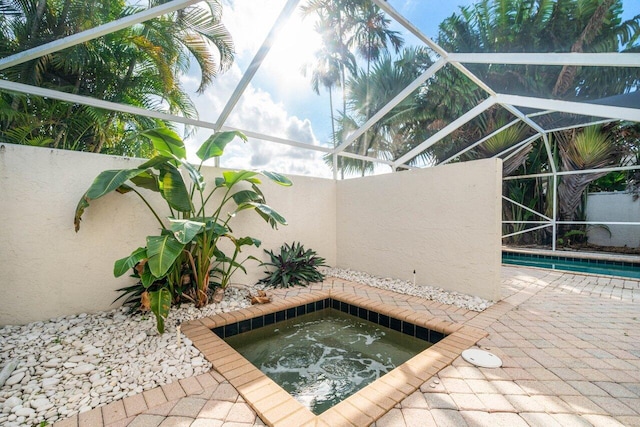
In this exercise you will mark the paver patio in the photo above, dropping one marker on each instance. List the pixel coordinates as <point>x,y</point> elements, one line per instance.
<point>570,346</point>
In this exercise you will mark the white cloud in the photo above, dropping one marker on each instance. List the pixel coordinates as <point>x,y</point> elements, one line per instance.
<point>257,111</point>
<point>270,156</point>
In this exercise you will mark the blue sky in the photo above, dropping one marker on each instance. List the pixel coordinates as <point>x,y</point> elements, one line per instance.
<point>279,101</point>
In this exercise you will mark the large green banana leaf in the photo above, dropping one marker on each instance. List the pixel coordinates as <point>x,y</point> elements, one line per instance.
<point>173,188</point>
<point>244,196</point>
<point>166,142</point>
<point>214,145</point>
<point>277,178</point>
<point>106,182</point>
<point>162,252</point>
<point>160,305</point>
<point>185,230</point>
<point>125,264</point>
<point>265,211</point>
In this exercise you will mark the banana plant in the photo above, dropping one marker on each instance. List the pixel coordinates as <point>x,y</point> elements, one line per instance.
<point>188,242</point>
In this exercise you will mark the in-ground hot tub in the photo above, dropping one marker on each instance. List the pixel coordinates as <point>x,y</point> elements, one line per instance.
<point>277,407</point>
<point>325,355</point>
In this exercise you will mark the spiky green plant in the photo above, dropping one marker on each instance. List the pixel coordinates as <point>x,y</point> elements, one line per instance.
<point>293,266</point>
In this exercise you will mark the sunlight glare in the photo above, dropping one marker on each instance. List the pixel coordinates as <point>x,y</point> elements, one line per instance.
<point>294,48</point>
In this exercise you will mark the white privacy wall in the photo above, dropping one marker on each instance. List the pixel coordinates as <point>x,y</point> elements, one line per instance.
<point>442,222</point>
<point>47,270</point>
<point>614,207</point>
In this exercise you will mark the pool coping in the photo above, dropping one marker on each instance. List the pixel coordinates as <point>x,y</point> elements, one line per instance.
<point>276,407</point>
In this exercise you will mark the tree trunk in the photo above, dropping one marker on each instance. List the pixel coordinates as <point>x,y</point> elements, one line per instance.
<point>570,192</point>
<point>76,89</point>
<point>343,78</point>
<point>567,75</point>
<point>509,166</point>
<point>36,22</point>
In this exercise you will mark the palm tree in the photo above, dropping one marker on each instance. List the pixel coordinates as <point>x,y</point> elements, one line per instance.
<point>352,25</point>
<point>331,61</point>
<point>589,148</point>
<point>545,26</point>
<point>370,38</point>
<point>502,141</point>
<point>139,66</point>
<point>442,99</point>
<point>334,59</point>
<point>370,33</point>
<point>332,25</point>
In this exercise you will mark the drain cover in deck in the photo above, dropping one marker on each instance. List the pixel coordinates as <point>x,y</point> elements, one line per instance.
<point>481,358</point>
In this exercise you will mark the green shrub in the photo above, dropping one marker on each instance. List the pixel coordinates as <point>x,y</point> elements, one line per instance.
<point>293,266</point>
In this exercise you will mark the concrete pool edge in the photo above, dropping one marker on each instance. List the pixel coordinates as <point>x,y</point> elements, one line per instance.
<point>276,407</point>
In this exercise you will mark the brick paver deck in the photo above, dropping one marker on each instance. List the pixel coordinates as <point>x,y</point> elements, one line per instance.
<point>570,346</point>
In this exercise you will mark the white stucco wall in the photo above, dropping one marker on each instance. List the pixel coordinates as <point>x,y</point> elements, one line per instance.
<point>47,270</point>
<point>614,207</point>
<point>442,222</point>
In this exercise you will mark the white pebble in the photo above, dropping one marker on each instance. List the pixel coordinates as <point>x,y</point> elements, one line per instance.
<point>52,363</point>
<point>49,373</point>
<point>21,411</point>
<point>91,360</point>
<point>49,382</point>
<point>12,402</point>
<point>83,369</point>
<point>141,337</point>
<point>15,378</point>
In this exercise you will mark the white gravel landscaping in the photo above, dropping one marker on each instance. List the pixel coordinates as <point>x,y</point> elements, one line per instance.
<point>405,287</point>
<point>73,364</point>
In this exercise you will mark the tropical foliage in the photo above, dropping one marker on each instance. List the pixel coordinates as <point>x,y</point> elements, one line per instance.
<point>139,66</point>
<point>495,26</point>
<point>553,26</point>
<point>292,266</point>
<point>186,258</point>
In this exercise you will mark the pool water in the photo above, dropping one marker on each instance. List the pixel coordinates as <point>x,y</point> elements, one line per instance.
<point>324,357</point>
<point>609,268</point>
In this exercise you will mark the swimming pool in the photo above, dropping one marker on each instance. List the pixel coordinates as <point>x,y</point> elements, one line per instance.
<point>582,265</point>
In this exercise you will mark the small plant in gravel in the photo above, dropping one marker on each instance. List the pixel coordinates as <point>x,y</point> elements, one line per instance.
<point>293,265</point>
